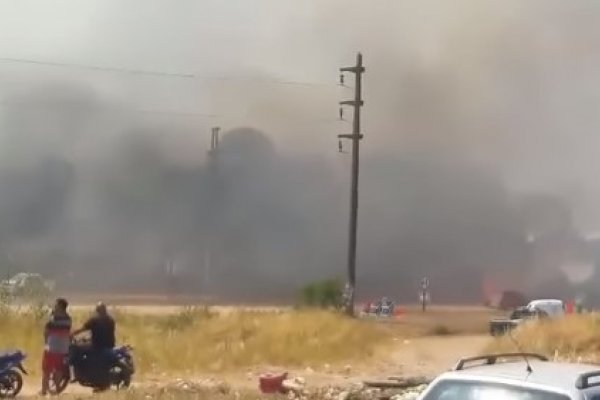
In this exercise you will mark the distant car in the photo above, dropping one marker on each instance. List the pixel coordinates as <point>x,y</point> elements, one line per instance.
<point>500,326</point>
<point>551,307</point>
<point>535,309</point>
<point>23,284</point>
<point>515,376</point>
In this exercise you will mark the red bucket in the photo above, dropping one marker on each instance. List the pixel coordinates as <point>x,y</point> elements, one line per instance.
<point>270,383</point>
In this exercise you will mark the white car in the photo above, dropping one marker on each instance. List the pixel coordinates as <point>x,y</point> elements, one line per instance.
<point>552,307</point>
<point>543,308</point>
<point>515,376</point>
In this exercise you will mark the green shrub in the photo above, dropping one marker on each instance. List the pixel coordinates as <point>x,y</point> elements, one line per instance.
<point>323,294</point>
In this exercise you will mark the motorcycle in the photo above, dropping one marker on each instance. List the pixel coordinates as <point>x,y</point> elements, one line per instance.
<point>11,367</point>
<point>89,372</point>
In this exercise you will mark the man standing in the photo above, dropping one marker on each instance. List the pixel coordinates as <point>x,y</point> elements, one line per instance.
<point>57,333</point>
<point>102,328</point>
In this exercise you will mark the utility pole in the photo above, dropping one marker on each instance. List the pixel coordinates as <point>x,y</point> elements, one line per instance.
<point>208,256</point>
<point>424,294</point>
<point>214,140</point>
<point>355,136</point>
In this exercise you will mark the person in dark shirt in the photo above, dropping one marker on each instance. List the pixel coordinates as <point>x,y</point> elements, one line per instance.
<point>102,328</point>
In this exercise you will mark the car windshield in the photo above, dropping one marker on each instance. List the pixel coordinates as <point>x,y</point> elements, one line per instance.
<point>469,390</point>
<point>520,313</point>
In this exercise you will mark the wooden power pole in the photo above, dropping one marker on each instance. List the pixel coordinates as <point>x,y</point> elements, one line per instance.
<point>355,137</point>
<point>212,223</point>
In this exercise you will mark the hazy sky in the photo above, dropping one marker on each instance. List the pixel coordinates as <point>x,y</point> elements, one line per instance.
<point>515,73</point>
<point>511,82</point>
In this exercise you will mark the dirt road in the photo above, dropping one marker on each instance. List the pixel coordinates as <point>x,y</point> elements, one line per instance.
<point>433,355</point>
<point>426,356</point>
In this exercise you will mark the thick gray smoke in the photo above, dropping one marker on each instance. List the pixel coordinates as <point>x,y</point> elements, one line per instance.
<point>479,123</point>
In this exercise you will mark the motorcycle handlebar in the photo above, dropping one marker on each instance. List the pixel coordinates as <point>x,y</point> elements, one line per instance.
<point>88,341</point>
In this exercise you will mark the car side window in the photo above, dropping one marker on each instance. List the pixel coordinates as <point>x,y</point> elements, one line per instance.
<point>476,390</point>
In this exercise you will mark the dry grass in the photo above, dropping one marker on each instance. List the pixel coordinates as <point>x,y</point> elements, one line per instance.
<point>574,338</point>
<point>196,340</point>
<point>448,320</point>
<point>168,393</point>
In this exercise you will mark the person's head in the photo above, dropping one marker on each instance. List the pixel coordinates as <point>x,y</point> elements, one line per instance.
<point>61,305</point>
<point>101,309</point>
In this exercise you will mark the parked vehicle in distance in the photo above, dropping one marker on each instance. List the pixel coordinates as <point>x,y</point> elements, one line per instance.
<point>383,307</point>
<point>552,307</point>
<point>500,326</point>
<point>26,284</point>
<point>515,376</point>
<point>544,308</point>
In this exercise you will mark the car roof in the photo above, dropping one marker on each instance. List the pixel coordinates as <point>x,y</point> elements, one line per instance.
<point>546,301</point>
<point>557,375</point>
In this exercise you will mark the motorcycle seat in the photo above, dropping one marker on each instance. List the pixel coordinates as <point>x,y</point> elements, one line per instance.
<point>8,356</point>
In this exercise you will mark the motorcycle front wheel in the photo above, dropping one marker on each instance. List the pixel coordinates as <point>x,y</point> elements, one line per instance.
<point>11,383</point>
<point>59,380</point>
<point>120,375</point>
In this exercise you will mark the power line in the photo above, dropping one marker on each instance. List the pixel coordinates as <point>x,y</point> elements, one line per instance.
<point>179,75</point>
<point>173,113</point>
<point>267,81</point>
<point>95,68</point>
<point>315,121</point>
<point>45,106</point>
<point>34,106</point>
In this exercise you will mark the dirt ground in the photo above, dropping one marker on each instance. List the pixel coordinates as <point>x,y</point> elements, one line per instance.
<point>425,356</point>
<point>441,336</point>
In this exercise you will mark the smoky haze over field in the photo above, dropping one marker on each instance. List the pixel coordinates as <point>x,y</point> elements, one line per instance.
<point>480,124</point>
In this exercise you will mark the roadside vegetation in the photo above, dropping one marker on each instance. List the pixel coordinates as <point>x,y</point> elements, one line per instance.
<point>323,294</point>
<point>573,338</point>
<point>198,340</point>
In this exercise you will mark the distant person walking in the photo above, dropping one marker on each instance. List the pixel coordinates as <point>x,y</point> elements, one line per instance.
<point>57,339</point>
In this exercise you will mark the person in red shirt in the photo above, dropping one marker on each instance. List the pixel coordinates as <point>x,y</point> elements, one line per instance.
<point>57,339</point>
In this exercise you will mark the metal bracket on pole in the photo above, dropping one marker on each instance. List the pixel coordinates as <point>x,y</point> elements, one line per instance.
<point>350,136</point>
<point>355,69</point>
<point>352,103</point>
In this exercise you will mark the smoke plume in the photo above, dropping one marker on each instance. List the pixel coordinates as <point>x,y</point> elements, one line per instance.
<point>480,134</point>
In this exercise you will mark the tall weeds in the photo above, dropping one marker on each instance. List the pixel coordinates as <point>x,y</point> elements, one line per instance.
<point>574,338</point>
<point>198,340</point>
